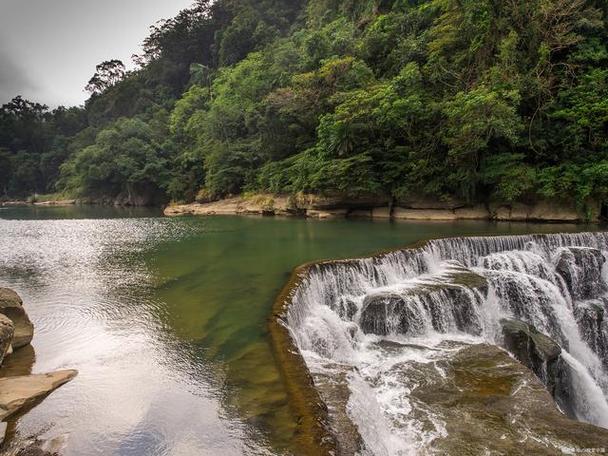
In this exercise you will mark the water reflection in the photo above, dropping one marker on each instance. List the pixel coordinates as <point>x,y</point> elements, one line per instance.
<point>89,291</point>
<point>166,322</point>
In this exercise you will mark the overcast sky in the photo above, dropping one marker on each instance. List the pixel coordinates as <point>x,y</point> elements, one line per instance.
<point>49,48</point>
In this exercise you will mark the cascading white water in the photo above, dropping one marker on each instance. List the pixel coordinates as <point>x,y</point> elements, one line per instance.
<point>393,319</point>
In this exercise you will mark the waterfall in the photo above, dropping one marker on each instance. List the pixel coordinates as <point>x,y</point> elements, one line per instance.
<point>393,320</point>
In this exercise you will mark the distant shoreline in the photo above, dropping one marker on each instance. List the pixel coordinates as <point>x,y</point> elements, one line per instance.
<point>319,207</point>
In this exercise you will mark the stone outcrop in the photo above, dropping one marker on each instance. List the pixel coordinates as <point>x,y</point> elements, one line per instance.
<point>549,211</point>
<point>442,303</point>
<point>18,394</point>
<point>12,307</point>
<point>380,207</point>
<point>581,269</point>
<point>7,329</point>
<point>540,354</point>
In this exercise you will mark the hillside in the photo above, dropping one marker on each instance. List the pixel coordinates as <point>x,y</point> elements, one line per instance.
<point>480,100</point>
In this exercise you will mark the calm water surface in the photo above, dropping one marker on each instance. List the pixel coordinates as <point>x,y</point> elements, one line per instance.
<point>165,319</point>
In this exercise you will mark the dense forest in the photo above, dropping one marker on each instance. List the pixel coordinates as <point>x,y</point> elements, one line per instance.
<point>484,100</point>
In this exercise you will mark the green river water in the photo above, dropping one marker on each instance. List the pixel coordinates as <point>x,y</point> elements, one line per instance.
<point>166,321</point>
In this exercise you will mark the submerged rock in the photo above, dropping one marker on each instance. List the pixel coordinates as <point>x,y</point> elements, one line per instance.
<point>7,330</point>
<point>443,303</point>
<point>12,307</point>
<point>18,394</point>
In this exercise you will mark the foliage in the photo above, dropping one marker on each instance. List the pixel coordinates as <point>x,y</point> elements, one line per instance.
<point>480,99</point>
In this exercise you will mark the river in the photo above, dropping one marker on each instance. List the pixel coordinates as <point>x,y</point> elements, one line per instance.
<point>166,321</point>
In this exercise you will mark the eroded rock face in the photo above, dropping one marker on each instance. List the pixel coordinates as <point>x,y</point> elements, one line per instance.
<point>447,304</point>
<point>20,393</point>
<point>12,307</point>
<point>593,326</point>
<point>581,269</point>
<point>541,355</point>
<point>7,330</point>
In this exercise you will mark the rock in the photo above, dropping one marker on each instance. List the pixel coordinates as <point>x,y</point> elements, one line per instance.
<point>400,213</point>
<point>593,326</point>
<point>531,347</point>
<point>381,213</point>
<point>430,203</point>
<point>12,306</point>
<point>581,269</point>
<point>550,211</point>
<point>492,404</point>
<point>326,214</point>
<point>462,213</point>
<point>360,213</point>
<point>7,330</point>
<point>541,355</point>
<point>36,449</point>
<point>327,202</point>
<point>19,393</point>
<point>346,308</point>
<point>444,302</point>
<point>66,202</point>
<point>3,427</point>
<point>544,211</point>
<point>479,212</point>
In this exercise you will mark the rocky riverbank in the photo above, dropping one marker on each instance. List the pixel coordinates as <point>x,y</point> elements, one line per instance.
<point>19,393</point>
<point>59,203</point>
<point>325,207</point>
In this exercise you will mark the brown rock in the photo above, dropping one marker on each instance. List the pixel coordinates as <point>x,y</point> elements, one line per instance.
<point>19,393</point>
<point>12,306</point>
<point>400,213</point>
<point>430,203</point>
<point>381,213</point>
<point>479,212</point>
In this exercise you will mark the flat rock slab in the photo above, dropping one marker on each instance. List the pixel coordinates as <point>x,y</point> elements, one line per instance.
<point>18,393</point>
<point>12,306</point>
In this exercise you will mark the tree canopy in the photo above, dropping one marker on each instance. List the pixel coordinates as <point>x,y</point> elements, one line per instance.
<point>486,100</point>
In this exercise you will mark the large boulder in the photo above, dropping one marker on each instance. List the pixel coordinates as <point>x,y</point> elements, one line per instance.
<point>12,306</point>
<point>21,393</point>
<point>581,269</point>
<point>445,302</point>
<point>541,354</point>
<point>7,329</point>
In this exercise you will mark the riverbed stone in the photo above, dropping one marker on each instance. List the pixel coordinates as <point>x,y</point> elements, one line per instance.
<point>492,404</point>
<point>21,393</point>
<point>7,329</point>
<point>11,306</point>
